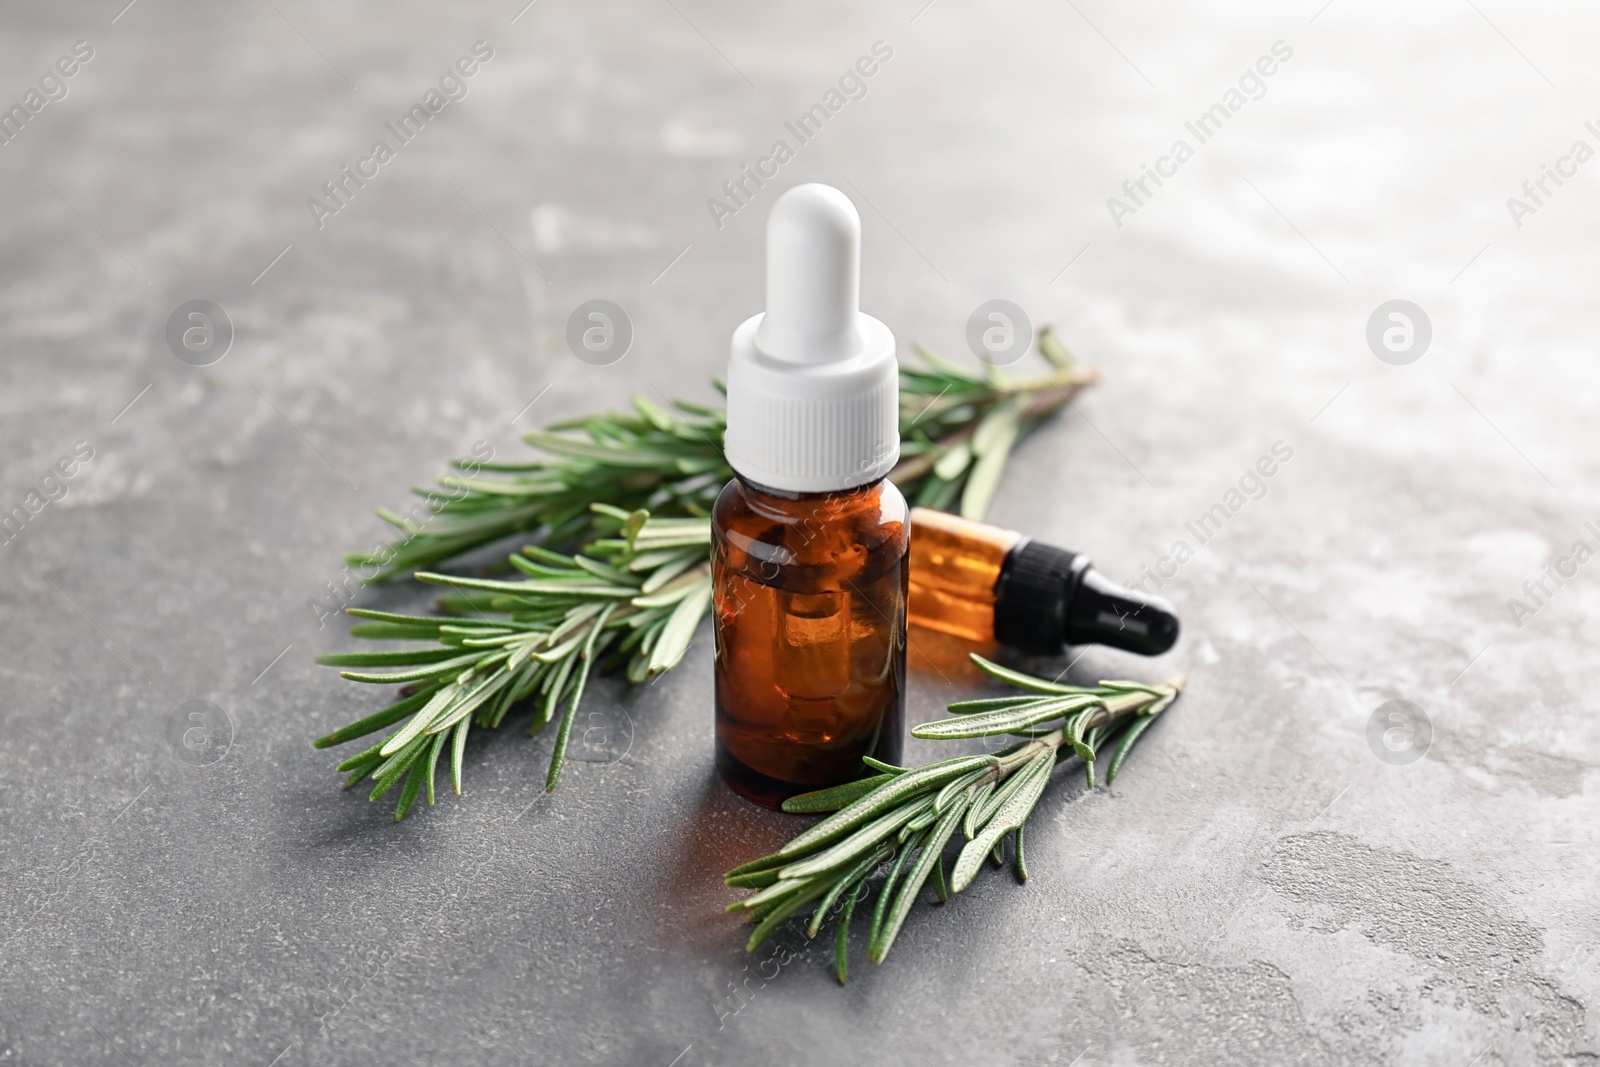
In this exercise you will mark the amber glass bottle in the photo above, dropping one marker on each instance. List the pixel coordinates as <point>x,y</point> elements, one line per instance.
<point>984,583</point>
<point>809,541</point>
<point>810,649</point>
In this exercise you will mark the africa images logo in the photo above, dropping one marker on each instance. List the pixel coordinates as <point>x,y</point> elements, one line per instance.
<point>742,188</point>
<point>1252,85</point>
<point>52,87</point>
<point>452,86</point>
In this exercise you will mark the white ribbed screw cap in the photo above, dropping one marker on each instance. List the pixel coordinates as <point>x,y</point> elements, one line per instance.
<point>813,387</point>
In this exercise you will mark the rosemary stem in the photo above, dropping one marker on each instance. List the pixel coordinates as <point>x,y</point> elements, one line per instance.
<point>1069,380</point>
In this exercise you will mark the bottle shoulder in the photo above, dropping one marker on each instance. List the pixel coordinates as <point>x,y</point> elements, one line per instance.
<point>873,517</point>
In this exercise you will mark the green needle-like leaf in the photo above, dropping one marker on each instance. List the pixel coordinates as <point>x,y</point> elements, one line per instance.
<point>856,875</point>
<point>1003,720</point>
<point>674,640</point>
<point>835,798</point>
<point>1126,746</point>
<point>1024,681</point>
<point>377,720</point>
<point>841,947</point>
<point>433,761</point>
<point>992,808</point>
<point>765,863</point>
<point>931,854</point>
<point>408,795</point>
<point>979,804</point>
<point>442,669</point>
<point>404,658</point>
<point>803,895</point>
<point>969,707</point>
<point>1010,816</point>
<point>885,798</point>
<point>457,747</point>
<point>875,933</point>
<point>858,843</point>
<point>587,657</point>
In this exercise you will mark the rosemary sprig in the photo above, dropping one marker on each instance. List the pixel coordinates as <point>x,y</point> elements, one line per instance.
<point>898,822</point>
<point>957,428</point>
<point>670,464</point>
<point>636,596</point>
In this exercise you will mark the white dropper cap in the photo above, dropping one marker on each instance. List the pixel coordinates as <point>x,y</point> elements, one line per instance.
<point>813,387</point>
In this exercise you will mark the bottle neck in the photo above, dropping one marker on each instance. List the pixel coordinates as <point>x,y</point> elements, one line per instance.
<point>783,503</point>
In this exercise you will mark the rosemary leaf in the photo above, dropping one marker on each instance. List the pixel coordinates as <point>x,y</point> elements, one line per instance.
<point>836,797</point>
<point>855,876</point>
<point>587,658</point>
<point>1003,720</point>
<point>1126,746</point>
<point>433,762</point>
<point>408,795</point>
<point>457,747</point>
<point>841,948</point>
<point>885,798</point>
<point>931,855</point>
<point>1010,816</point>
<point>875,932</point>
<point>377,720</point>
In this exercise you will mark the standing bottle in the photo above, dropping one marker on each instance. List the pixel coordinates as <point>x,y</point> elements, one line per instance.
<point>810,541</point>
<point>986,583</point>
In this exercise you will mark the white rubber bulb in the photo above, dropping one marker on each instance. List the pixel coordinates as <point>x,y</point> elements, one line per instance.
<point>813,277</point>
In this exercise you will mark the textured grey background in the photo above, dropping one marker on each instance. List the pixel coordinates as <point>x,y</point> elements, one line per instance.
<point>1258,888</point>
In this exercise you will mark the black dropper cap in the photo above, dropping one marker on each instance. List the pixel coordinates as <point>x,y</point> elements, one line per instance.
<point>1048,598</point>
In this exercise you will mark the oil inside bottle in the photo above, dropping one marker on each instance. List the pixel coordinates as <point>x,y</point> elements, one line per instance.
<point>955,567</point>
<point>810,652</point>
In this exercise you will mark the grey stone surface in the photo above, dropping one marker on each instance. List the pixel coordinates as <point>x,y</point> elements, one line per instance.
<point>1260,887</point>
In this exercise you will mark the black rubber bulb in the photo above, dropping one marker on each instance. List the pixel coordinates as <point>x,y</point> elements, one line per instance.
<point>1048,598</point>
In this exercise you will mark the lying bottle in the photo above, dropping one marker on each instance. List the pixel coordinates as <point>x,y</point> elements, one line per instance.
<point>984,583</point>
